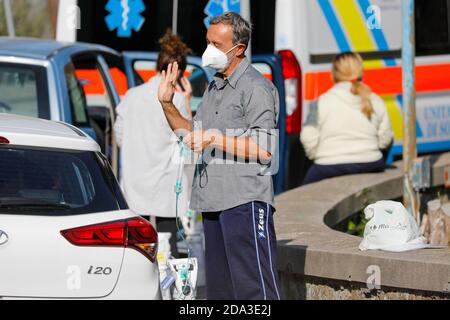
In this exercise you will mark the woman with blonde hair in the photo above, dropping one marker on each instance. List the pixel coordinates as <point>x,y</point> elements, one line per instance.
<point>350,128</point>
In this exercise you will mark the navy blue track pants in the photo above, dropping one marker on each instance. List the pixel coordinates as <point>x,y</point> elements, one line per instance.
<point>240,253</point>
<point>319,172</point>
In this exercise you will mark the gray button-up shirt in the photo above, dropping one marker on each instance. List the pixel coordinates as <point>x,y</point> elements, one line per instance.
<point>245,104</point>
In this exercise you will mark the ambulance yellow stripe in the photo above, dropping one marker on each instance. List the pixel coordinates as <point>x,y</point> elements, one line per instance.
<point>354,25</point>
<point>395,116</point>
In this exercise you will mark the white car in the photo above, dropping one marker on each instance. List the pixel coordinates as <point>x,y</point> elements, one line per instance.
<point>65,229</point>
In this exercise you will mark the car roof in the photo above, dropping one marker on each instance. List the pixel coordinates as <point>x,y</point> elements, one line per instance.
<point>34,48</point>
<point>34,132</point>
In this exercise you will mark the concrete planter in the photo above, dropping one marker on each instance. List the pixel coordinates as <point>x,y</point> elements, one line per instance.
<point>317,262</point>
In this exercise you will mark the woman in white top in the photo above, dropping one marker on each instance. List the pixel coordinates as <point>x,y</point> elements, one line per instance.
<point>350,128</point>
<point>149,148</point>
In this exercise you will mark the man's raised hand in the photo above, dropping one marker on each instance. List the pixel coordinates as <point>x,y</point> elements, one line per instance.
<point>168,84</point>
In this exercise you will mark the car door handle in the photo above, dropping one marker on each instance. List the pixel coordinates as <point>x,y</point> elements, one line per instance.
<point>3,237</point>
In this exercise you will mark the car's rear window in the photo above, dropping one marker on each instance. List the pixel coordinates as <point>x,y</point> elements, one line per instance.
<point>56,182</point>
<point>24,90</point>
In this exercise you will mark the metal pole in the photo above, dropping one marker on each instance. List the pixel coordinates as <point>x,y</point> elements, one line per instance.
<point>9,18</point>
<point>409,106</point>
<point>175,17</point>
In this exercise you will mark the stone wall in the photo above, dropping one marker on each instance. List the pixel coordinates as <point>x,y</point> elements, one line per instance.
<point>317,262</point>
<point>298,287</point>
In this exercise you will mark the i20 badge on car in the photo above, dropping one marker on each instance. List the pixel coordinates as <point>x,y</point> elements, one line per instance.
<point>3,237</point>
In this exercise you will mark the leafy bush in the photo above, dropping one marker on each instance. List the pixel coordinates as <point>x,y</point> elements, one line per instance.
<point>32,18</point>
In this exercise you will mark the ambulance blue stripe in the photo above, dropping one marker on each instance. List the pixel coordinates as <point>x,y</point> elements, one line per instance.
<point>424,147</point>
<point>335,27</point>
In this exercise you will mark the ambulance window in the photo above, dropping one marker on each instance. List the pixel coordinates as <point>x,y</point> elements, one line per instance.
<point>432,27</point>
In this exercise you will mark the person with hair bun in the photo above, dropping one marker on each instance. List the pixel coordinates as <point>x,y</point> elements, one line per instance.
<point>175,50</point>
<point>350,128</point>
<point>149,148</point>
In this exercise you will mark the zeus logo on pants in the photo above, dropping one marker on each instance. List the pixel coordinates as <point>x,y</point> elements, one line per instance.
<point>261,224</point>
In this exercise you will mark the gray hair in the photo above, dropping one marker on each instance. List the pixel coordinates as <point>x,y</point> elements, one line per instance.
<point>242,29</point>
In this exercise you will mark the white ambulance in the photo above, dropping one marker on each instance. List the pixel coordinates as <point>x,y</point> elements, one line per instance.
<point>309,33</point>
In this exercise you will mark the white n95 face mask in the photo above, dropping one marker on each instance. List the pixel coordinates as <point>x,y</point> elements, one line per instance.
<point>215,58</point>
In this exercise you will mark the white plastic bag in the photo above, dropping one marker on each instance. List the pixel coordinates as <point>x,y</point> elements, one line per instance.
<point>391,228</point>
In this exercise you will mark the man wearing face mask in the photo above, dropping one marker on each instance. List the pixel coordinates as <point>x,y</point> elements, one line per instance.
<point>234,130</point>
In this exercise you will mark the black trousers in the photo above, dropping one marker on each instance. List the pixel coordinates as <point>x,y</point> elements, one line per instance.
<point>241,253</point>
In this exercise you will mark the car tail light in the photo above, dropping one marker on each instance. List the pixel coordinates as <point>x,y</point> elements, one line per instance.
<point>293,87</point>
<point>142,237</point>
<point>3,140</point>
<point>135,233</point>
